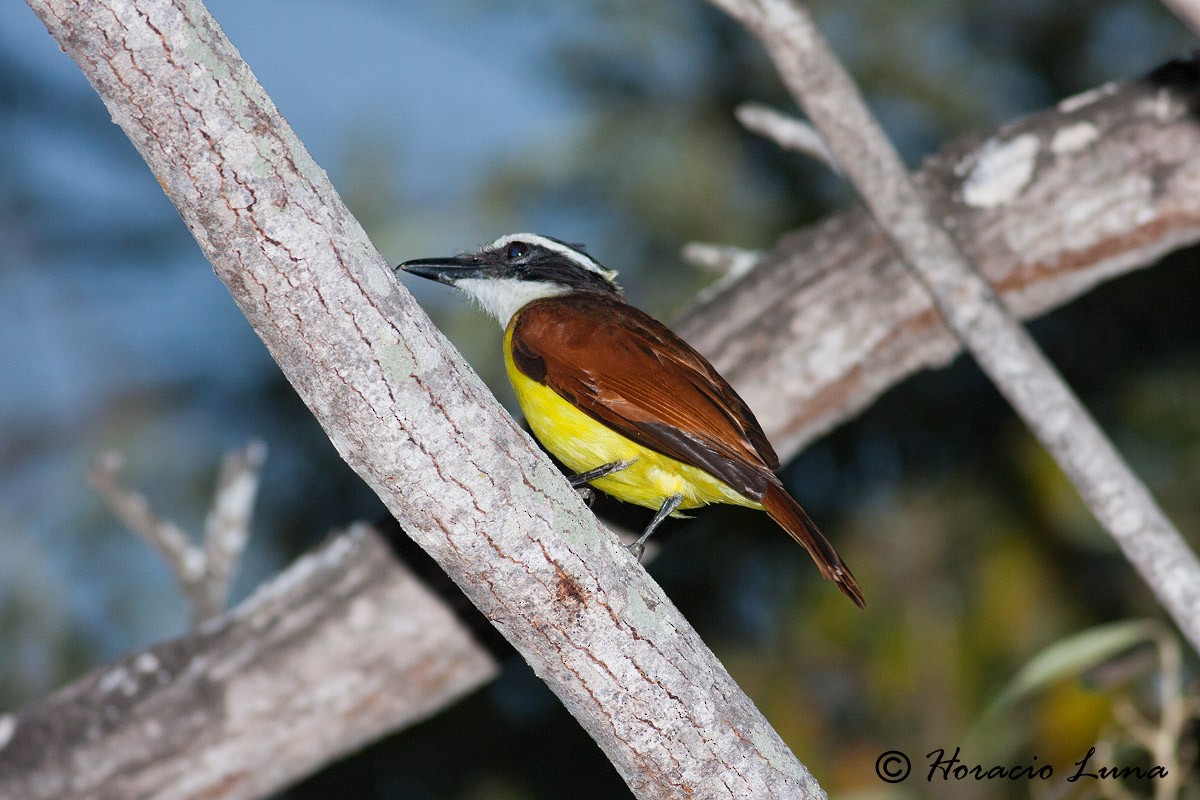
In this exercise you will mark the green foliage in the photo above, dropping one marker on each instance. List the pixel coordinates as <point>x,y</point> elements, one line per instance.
<point>1070,657</point>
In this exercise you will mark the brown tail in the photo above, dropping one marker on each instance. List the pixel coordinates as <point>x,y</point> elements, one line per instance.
<point>792,518</point>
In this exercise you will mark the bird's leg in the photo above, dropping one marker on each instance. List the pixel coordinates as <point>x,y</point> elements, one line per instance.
<point>669,505</point>
<point>581,481</point>
<point>602,471</point>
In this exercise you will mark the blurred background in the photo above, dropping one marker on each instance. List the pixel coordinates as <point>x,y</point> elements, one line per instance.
<point>445,123</point>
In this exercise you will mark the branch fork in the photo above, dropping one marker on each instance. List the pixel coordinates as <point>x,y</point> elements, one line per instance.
<point>203,573</point>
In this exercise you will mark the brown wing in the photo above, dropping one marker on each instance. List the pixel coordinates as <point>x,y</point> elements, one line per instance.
<point>629,371</point>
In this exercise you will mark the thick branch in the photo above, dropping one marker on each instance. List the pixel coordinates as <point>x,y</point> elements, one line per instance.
<point>969,305</point>
<point>831,303</point>
<point>1188,11</point>
<point>830,317</point>
<point>344,645</point>
<point>407,414</point>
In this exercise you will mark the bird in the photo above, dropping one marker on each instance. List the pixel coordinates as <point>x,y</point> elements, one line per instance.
<point>617,397</point>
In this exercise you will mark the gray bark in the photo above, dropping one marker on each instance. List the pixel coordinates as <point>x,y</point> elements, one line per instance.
<point>830,317</point>
<point>344,645</point>
<point>411,419</point>
<point>828,296</point>
<point>1188,11</point>
<point>969,305</point>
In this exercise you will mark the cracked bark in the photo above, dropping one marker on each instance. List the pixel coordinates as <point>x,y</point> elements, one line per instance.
<point>969,304</point>
<point>234,710</point>
<point>830,317</point>
<point>831,302</point>
<point>406,413</point>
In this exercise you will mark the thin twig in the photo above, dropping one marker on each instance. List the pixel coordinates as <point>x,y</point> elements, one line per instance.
<point>786,131</point>
<point>730,263</point>
<point>134,510</point>
<point>1188,11</point>
<point>1106,753</point>
<point>202,573</point>
<point>720,259</point>
<point>969,306</point>
<point>227,527</point>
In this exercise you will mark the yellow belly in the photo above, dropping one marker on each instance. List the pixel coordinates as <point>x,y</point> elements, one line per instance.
<point>582,444</point>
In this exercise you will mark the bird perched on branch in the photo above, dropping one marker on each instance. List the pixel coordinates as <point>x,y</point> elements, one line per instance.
<point>620,399</point>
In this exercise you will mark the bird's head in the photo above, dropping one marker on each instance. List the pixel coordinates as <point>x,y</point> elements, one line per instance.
<point>517,269</point>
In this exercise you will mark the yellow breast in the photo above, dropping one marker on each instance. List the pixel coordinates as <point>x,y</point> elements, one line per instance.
<point>582,444</point>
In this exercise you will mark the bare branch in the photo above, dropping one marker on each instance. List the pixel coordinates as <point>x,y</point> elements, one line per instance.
<point>227,527</point>
<point>826,320</point>
<point>731,263</point>
<point>407,414</point>
<point>342,647</point>
<point>830,317</point>
<point>788,132</point>
<point>728,262</point>
<point>185,560</point>
<point>203,573</point>
<point>1188,11</point>
<point>968,303</point>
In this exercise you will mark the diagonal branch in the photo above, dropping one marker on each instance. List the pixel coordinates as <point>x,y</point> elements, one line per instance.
<point>227,527</point>
<point>789,133</point>
<point>344,645</point>
<point>1188,11</point>
<point>830,317</point>
<point>162,534</point>
<point>826,321</point>
<point>969,305</point>
<point>409,416</point>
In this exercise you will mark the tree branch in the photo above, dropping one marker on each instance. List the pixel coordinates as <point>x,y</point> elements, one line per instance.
<point>728,263</point>
<point>787,132</point>
<point>134,510</point>
<point>344,645</point>
<point>411,419</point>
<point>830,303</point>
<point>1125,146</point>
<point>202,573</point>
<point>969,305</point>
<point>1188,11</point>
<point>830,317</point>
<point>227,527</point>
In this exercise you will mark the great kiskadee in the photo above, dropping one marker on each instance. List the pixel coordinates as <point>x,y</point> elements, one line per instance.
<point>617,397</point>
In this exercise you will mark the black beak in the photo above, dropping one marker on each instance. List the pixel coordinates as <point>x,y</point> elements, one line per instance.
<point>446,270</point>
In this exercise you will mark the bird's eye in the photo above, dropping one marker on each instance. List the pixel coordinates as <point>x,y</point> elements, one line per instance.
<point>516,250</point>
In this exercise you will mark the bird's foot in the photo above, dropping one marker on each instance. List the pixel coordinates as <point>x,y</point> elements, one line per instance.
<point>668,507</point>
<point>602,471</point>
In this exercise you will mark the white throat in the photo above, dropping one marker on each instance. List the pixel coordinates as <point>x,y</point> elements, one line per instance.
<point>503,297</point>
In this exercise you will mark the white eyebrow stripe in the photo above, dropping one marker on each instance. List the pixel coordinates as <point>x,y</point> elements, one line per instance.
<point>550,244</point>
